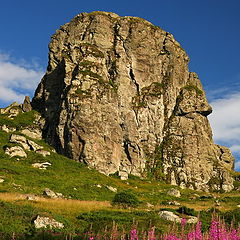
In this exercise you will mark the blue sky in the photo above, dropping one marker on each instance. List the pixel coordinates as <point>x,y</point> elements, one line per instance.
<point>209,31</point>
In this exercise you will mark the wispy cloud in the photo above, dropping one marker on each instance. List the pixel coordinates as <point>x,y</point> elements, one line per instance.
<point>17,79</point>
<point>225,121</point>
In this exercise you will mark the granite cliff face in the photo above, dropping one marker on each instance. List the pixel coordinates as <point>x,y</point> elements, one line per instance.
<point>118,96</point>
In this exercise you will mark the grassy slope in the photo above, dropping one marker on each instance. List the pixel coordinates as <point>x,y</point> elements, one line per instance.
<point>79,183</point>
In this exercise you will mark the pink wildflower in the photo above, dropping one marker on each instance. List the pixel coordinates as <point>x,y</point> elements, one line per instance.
<point>183,222</point>
<point>171,237</point>
<point>198,231</point>
<point>214,230</point>
<point>151,234</point>
<point>133,234</point>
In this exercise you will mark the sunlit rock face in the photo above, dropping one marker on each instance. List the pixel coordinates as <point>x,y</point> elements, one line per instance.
<point>118,96</point>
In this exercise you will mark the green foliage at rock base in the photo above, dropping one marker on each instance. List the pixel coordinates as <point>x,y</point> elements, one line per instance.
<point>125,199</point>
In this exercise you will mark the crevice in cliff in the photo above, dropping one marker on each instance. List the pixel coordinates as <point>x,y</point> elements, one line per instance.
<point>132,76</point>
<point>87,28</point>
<point>164,49</point>
<point>126,150</point>
<point>82,155</point>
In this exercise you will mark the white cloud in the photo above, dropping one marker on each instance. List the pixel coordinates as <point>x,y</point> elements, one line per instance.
<point>237,165</point>
<point>17,79</point>
<point>235,148</point>
<point>225,122</point>
<point>225,119</point>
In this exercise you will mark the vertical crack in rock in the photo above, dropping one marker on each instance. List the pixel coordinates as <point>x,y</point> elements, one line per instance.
<point>131,74</point>
<point>126,150</point>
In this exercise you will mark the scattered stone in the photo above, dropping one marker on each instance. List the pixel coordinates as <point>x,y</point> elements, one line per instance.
<point>169,216</point>
<point>14,138</point>
<point>174,192</point>
<point>32,133</point>
<point>43,152</point>
<point>13,112</point>
<point>238,205</point>
<point>174,203</point>
<point>7,129</point>
<point>182,185</point>
<point>59,195</point>
<point>75,189</point>
<point>192,220</point>
<point>111,188</point>
<point>15,151</point>
<point>34,146</point>
<point>1,180</point>
<point>123,175</point>
<point>149,205</point>
<point>51,194</point>
<point>26,106</point>
<point>41,165</point>
<point>31,197</point>
<point>44,222</point>
<point>217,203</point>
<point>99,186</point>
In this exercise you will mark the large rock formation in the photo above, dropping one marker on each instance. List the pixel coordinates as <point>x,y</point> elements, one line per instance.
<point>118,96</point>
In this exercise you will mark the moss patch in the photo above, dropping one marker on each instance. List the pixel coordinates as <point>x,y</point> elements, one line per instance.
<point>193,88</point>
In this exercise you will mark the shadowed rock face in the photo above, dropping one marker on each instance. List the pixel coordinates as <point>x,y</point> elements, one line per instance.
<point>118,96</point>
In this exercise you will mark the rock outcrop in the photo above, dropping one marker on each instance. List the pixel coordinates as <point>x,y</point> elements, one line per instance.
<point>118,96</point>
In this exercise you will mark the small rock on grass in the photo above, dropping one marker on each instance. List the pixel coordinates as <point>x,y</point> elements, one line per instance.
<point>46,222</point>
<point>113,189</point>
<point>174,192</point>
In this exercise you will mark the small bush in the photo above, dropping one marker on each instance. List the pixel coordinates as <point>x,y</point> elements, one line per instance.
<point>126,199</point>
<point>187,211</point>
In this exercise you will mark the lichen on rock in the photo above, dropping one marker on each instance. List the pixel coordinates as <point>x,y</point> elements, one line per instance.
<point>118,88</point>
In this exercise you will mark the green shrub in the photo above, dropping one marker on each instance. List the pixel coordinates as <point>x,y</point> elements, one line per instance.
<point>187,211</point>
<point>126,199</point>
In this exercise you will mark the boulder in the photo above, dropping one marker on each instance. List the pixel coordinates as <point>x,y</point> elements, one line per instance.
<point>7,129</point>
<point>169,216</point>
<point>32,132</point>
<point>174,203</point>
<point>15,151</point>
<point>192,220</point>
<point>31,197</point>
<point>43,152</point>
<point>174,192</point>
<point>34,146</point>
<point>51,194</point>
<point>47,222</point>
<point>113,189</point>
<point>149,205</point>
<point>41,165</point>
<point>14,138</point>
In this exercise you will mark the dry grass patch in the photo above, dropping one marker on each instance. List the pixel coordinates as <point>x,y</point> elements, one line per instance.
<point>70,207</point>
<point>59,206</point>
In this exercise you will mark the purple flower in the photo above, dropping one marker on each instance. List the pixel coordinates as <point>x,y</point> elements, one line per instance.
<point>133,234</point>
<point>151,234</point>
<point>183,222</point>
